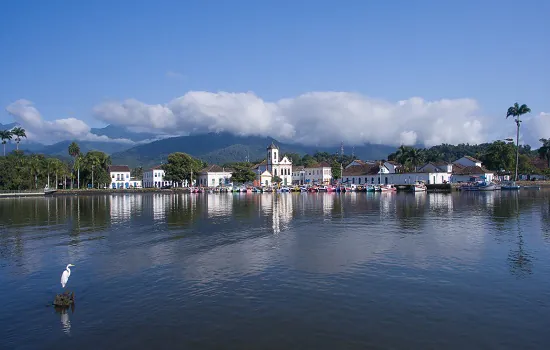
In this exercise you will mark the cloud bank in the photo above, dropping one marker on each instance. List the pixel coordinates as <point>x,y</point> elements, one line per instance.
<point>38,129</point>
<point>315,118</point>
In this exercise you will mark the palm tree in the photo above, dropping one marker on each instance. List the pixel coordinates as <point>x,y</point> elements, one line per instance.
<point>415,156</point>
<point>92,161</point>
<point>74,151</point>
<point>402,154</point>
<point>544,150</point>
<point>517,111</point>
<point>5,135</point>
<point>35,168</point>
<point>18,132</point>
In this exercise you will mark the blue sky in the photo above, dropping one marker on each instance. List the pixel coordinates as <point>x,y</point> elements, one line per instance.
<point>69,56</point>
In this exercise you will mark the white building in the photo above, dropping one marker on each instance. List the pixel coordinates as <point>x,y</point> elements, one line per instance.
<point>120,176</point>
<point>281,168</point>
<point>380,174</point>
<point>214,175</point>
<point>298,175</point>
<point>320,173</point>
<point>264,179</point>
<point>466,168</point>
<point>154,177</point>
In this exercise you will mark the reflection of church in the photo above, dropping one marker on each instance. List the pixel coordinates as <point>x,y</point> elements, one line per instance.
<point>273,167</point>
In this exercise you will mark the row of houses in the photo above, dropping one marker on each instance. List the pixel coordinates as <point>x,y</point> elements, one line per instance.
<point>389,172</point>
<point>275,167</point>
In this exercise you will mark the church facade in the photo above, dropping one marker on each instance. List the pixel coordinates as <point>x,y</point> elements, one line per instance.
<point>273,167</point>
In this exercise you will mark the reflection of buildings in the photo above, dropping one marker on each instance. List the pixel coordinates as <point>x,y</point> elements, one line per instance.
<point>328,203</point>
<point>160,203</point>
<point>123,205</point>
<point>282,211</point>
<point>219,204</point>
<point>440,203</point>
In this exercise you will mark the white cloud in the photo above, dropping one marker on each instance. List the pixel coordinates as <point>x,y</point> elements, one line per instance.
<point>534,128</point>
<point>311,118</point>
<point>314,118</point>
<point>47,132</point>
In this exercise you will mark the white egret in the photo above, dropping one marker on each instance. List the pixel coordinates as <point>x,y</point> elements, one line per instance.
<point>65,275</point>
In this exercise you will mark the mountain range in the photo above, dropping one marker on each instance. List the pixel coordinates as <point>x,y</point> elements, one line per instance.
<point>213,148</point>
<point>219,148</point>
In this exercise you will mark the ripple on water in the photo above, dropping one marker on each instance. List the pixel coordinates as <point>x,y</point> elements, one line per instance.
<point>321,271</point>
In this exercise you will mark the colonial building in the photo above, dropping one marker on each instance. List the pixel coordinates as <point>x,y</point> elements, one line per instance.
<point>298,175</point>
<point>466,168</point>
<point>214,175</point>
<point>360,174</point>
<point>120,176</point>
<point>154,177</point>
<point>320,174</point>
<point>384,173</point>
<point>281,168</point>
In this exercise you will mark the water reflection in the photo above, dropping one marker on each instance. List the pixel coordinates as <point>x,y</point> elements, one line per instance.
<point>240,263</point>
<point>65,319</point>
<point>124,206</point>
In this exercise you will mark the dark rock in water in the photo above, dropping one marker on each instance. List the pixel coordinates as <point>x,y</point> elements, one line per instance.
<point>65,299</point>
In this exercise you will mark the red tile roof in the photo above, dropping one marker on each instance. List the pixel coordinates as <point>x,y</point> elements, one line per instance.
<point>214,168</point>
<point>358,170</point>
<point>472,159</point>
<point>119,168</point>
<point>469,170</point>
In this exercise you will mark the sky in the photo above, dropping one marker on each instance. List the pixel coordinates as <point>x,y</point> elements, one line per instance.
<point>308,71</point>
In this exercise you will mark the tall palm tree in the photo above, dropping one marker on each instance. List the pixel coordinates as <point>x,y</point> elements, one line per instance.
<point>5,135</point>
<point>18,132</point>
<point>544,150</point>
<point>92,162</point>
<point>415,156</point>
<point>517,111</point>
<point>402,154</point>
<point>35,167</point>
<point>74,151</point>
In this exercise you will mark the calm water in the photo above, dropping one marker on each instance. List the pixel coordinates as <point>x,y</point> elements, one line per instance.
<point>278,271</point>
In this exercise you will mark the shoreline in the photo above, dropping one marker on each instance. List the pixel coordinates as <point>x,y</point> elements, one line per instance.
<point>61,192</point>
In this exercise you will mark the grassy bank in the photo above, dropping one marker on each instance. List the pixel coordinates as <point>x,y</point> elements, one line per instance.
<point>542,184</point>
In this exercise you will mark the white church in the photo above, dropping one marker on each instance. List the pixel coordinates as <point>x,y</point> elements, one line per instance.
<point>274,167</point>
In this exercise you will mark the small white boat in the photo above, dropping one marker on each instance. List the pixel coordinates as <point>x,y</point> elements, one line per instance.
<point>388,188</point>
<point>48,190</point>
<point>419,186</point>
<point>509,185</point>
<point>479,186</point>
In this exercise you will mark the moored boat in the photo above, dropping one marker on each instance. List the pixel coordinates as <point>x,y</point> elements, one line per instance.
<point>479,186</point>
<point>509,185</point>
<point>388,188</point>
<point>419,186</point>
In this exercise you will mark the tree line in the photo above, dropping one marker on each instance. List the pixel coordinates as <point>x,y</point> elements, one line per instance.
<point>20,171</point>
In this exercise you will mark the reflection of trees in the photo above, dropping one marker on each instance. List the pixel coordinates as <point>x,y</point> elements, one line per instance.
<point>545,218</point>
<point>520,261</point>
<point>410,210</point>
<point>184,209</point>
<point>85,214</point>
